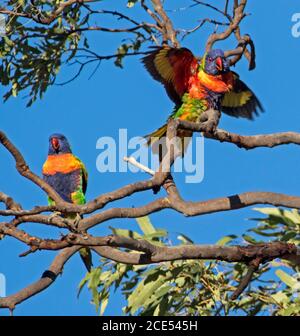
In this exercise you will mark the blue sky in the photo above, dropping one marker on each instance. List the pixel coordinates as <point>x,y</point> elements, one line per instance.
<point>86,109</point>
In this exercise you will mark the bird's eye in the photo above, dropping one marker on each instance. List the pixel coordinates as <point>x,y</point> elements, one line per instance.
<point>210,59</point>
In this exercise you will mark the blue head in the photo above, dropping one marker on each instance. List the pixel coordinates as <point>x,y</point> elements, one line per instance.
<point>215,62</point>
<point>58,144</point>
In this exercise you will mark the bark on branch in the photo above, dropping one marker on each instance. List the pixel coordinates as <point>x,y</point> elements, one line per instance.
<point>47,278</point>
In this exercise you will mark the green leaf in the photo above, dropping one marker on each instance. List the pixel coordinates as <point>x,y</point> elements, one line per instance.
<point>159,233</point>
<point>185,239</point>
<point>280,297</point>
<point>292,310</point>
<point>131,3</point>
<point>126,233</point>
<point>144,291</point>
<point>180,281</point>
<point>287,217</point>
<point>104,303</point>
<point>287,279</point>
<point>269,211</point>
<point>288,236</point>
<point>251,240</point>
<point>83,283</point>
<point>145,225</point>
<point>225,240</point>
<point>162,291</point>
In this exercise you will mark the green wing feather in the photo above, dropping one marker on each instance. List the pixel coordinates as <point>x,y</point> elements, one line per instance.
<point>78,197</point>
<point>86,256</point>
<point>241,102</point>
<point>84,176</point>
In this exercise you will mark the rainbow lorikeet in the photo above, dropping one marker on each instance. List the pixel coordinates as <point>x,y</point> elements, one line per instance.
<point>197,85</point>
<point>67,175</point>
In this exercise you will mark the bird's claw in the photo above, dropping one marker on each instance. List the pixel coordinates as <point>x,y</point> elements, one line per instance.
<point>210,120</point>
<point>77,219</point>
<point>53,215</point>
<point>209,126</point>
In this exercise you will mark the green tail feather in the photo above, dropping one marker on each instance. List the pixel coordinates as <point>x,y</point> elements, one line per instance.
<point>160,148</point>
<point>156,135</point>
<point>86,256</point>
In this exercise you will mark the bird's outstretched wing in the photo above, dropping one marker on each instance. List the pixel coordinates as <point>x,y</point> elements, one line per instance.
<point>172,67</point>
<point>241,102</point>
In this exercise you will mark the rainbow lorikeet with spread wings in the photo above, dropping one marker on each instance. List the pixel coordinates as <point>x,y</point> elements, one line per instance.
<point>67,175</point>
<point>197,85</point>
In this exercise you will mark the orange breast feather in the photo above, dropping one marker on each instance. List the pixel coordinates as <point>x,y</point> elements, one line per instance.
<point>221,83</point>
<point>64,163</point>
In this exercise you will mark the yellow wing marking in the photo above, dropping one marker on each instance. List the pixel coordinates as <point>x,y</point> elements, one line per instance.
<point>234,99</point>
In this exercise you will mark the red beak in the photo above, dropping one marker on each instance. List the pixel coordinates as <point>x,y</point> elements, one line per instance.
<point>219,63</point>
<point>55,143</point>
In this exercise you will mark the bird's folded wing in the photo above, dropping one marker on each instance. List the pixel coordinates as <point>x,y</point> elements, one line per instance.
<point>84,175</point>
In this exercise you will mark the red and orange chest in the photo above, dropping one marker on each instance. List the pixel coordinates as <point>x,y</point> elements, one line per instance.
<point>64,163</point>
<point>201,82</point>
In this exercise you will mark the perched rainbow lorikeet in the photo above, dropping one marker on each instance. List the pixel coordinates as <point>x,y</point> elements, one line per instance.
<point>67,175</point>
<point>197,85</point>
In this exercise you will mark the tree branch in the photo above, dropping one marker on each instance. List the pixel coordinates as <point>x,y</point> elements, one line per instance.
<point>169,33</point>
<point>236,20</point>
<point>24,170</point>
<point>48,277</point>
<point>244,141</point>
<point>9,202</point>
<point>154,254</point>
<point>253,267</point>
